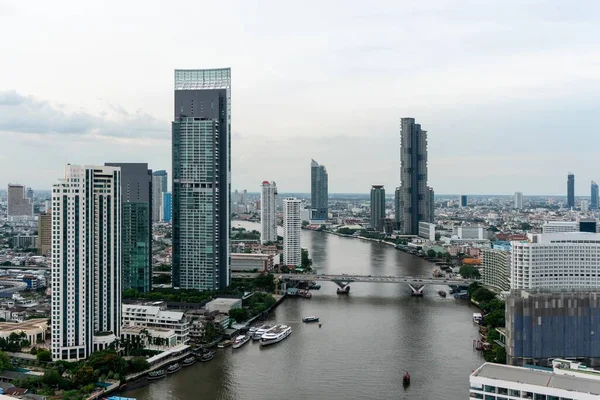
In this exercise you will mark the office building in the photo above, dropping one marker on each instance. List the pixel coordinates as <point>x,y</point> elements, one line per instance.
<point>594,196</point>
<point>166,212</point>
<point>377,207</point>
<point>585,205</point>
<point>427,231</point>
<point>397,208</point>
<point>268,212</point>
<point>587,225</point>
<point>495,270</point>
<point>543,325</point>
<point>25,242</point>
<point>86,261</point>
<point>556,261</point>
<point>159,186</point>
<point>136,220</point>
<point>564,381</point>
<point>571,191</point>
<point>518,200</point>
<point>559,226</point>
<point>463,201</point>
<point>292,250</point>
<point>29,194</point>
<point>19,205</point>
<point>319,192</point>
<point>157,317</point>
<point>201,179</point>
<point>416,198</point>
<point>470,233</point>
<point>45,234</point>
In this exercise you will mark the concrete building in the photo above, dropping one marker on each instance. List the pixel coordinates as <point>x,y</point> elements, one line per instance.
<point>587,225</point>
<point>495,270</point>
<point>244,262</point>
<point>416,198</point>
<point>464,201</point>
<point>585,205</point>
<point>159,186</point>
<point>377,207</point>
<point>25,242</point>
<point>559,226</point>
<point>562,382</point>
<point>319,191</point>
<point>518,200</point>
<point>223,305</point>
<point>556,261</point>
<point>571,191</point>
<point>86,261</point>
<point>201,179</point>
<point>136,220</point>
<point>470,233</point>
<point>427,231</point>
<point>594,196</point>
<point>45,234</point>
<point>19,205</point>
<point>166,212</point>
<point>268,212</point>
<point>35,329</point>
<point>544,325</point>
<point>398,208</point>
<point>292,250</point>
<point>156,316</point>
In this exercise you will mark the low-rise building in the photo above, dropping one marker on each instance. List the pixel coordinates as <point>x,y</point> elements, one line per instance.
<point>223,305</point>
<point>155,315</point>
<point>427,230</point>
<point>561,382</point>
<point>151,338</point>
<point>35,329</point>
<point>251,262</point>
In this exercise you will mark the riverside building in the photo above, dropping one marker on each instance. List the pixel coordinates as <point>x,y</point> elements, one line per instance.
<point>86,261</point>
<point>292,250</point>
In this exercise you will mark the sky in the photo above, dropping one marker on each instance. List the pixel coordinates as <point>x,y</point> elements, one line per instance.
<point>509,91</point>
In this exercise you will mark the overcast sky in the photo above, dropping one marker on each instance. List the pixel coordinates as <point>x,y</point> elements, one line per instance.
<point>509,92</point>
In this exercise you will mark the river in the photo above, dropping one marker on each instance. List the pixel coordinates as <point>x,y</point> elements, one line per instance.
<point>367,339</point>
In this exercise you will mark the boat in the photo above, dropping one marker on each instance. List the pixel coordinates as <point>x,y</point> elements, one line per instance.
<point>173,368</point>
<point>158,374</point>
<point>252,330</point>
<point>240,341</point>
<point>207,356</point>
<point>406,379</point>
<point>345,290</point>
<point>305,294</point>
<point>224,343</point>
<point>261,331</point>
<point>310,319</point>
<point>275,335</point>
<point>442,293</point>
<point>188,361</point>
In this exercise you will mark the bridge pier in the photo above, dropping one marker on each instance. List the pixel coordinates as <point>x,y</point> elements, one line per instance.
<point>416,290</point>
<point>344,286</point>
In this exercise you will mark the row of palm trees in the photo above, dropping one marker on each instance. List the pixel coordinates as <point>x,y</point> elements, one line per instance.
<point>136,344</point>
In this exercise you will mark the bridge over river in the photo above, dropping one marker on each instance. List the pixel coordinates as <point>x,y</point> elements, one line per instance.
<point>416,283</point>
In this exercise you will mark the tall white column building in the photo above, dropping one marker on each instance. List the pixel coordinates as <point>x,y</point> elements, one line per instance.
<point>556,261</point>
<point>518,200</point>
<point>86,261</point>
<point>268,212</point>
<point>292,251</point>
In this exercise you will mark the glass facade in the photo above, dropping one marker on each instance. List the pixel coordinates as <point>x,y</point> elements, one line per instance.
<point>137,248</point>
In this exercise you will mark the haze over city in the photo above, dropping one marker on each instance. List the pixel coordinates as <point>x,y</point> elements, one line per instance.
<point>507,91</point>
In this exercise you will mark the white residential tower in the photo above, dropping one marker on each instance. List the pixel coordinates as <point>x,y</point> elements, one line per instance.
<point>292,251</point>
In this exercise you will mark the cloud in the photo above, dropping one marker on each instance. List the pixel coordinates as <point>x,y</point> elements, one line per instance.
<point>28,115</point>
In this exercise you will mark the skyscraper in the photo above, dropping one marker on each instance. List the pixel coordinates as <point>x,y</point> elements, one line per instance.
<point>136,219</point>
<point>397,208</point>
<point>201,179</point>
<point>463,200</point>
<point>594,196</point>
<point>166,213</point>
<point>292,250</point>
<point>319,192</point>
<point>268,212</point>
<point>377,207</point>
<point>86,261</point>
<point>45,234</point>
<point>416,198</point>
<point>159,186</point>
<point>571,191</point>
<point>19,205</point>
<point>518,200</point>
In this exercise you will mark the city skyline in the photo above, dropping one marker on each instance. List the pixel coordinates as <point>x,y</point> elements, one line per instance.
<point>62,116</point>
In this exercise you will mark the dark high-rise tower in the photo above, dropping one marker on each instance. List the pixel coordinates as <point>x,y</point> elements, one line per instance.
<point>136,222</point>
<point>416,198</point>
<point>594,194</point>
<point>571,190</point>
<point>319,194</point>
<point>201,179</point>
<point>377,207</point>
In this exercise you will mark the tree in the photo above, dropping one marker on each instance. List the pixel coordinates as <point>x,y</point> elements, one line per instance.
<point>239,314</point>
<point>472,288</point>
<point>495,319</point>
<point>137,364</point>
<point>305,224</point>
<point>306,262</point>
<point>483,295</point>
<point>525,226</point>
<point>440,255</point>
<point>492,305</point>
<point>85,375</point>
<point>5,363</point>
<point>44,356</point>
<point>469,272</point>
<point>431,253</point>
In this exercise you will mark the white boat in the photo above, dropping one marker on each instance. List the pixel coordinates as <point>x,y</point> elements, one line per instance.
<point>261,331</point>
<point>275,335</point>
<point>311,318</point>
<point>240,341</point>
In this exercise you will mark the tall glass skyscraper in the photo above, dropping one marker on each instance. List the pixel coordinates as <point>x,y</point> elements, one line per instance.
<point>570,191</point>
<point>201,179</point>
<point>416,198</point>
<point>319,192</point>
<point>377,207</point>
<point>594,195</point>
<point>136,220</point>
<point>159,186</point>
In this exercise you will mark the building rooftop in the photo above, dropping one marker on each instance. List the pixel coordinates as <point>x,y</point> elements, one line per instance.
<point>36,323</point>
<point>223,301</point>
<point>538,377</point>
